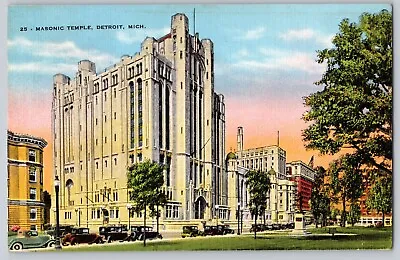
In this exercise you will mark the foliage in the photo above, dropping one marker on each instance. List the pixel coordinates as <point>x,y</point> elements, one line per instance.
<point>258,184</point>
<point>346,180</point>
<point>354,109</point>
<point>145,180</point>
<point>320,202</point>
<point>380,197</point>
<point>334,214</point>
<point>354,213</point>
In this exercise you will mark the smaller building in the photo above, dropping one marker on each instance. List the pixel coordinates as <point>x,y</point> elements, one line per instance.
<point>304,177</point>
<point>25,206</point>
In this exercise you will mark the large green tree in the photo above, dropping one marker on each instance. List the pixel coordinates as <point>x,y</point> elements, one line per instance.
<point>259,184</point>
<point>346,181</point>
<point>354,109</point>
<point>319,201</point>
<point>380,196</point>
<point>145,181</point>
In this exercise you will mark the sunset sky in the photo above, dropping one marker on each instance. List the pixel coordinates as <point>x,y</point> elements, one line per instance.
<point>264,61</point>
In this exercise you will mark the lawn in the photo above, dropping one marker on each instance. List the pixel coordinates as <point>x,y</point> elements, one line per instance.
<point>364,238</point>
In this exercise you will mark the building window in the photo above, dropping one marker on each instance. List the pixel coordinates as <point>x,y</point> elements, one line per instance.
<point>32,214</point>
<point>33,227</point>
<point>32,174</point>
<point>115,115</point>
<point>32,193</point>
<point>176,212</point>
<point>168,211</point>
<point>41,176</point>
<point>32,156</point>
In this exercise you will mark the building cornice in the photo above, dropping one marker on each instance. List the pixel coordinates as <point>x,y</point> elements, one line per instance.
<point>26,139</point>
<point>25,203</point>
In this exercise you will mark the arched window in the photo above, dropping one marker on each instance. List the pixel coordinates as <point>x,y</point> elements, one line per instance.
<point>69,184</point>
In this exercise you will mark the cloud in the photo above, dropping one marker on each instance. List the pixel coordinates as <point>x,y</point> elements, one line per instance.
<point>302,34</point>
<point>133,36</point>
<point>276,59</point>
<point>42,67</point>
<point>254,34</point>
<point>307,34</point>
<point>66,52</point>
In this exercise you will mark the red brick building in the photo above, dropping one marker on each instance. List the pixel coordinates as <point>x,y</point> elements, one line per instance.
<point>304,177</point>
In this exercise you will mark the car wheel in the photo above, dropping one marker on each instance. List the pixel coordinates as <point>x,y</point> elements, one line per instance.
<point>140,237</point>
<point>17,246</point>
<point>191,235</point>
<point>51,244</point>
<point>159,236</point>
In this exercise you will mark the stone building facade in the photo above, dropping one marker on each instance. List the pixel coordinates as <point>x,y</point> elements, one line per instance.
<point>158,104</point>
<point>25,206</point>
<point>281,205</point>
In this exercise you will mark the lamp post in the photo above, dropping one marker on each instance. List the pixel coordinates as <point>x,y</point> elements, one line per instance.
<point>129,207</point>
<point>216,208</point>
<point>238,218</point>
<point>57,188</point>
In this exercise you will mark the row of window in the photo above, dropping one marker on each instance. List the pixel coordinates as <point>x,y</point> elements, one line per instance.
<point>172,211</point>
<point>67,215</point>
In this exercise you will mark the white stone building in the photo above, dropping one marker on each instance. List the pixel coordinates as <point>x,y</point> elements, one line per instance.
<point>158,104</point>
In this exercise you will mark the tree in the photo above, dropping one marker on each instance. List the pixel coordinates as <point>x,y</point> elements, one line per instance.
<point>346,181</point>
<point>354,109</point>
<point>380,197</point>
<point>145,180</point>
<point>258,184</point>
<point>354,213</point>
<point>320,202</point>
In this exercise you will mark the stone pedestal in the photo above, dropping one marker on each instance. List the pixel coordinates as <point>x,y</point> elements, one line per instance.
<point>299,225</point>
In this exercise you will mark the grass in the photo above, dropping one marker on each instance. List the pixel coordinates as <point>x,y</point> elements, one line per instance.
<point>364,238</point>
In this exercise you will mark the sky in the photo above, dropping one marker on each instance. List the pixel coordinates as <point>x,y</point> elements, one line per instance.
<point>265,61</point>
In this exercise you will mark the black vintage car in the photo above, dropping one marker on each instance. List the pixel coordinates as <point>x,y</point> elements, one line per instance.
<point>64,229</point>
<point>191,231</point>
<point>212,231</point>
<point>137,233</point>
<point>225,229</point>
<point>114,233</point>
<point>257,228</point>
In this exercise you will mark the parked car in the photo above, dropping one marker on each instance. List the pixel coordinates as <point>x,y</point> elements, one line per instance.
<point>64,229</point>
<point>268,227</point>
<point>290,225</point>
<point>114,233</point>
<point>191,231</point>
<point>276,226</point>
<point>258,228</point>
<point>137,233</point>
<point>80,236</point>
<point>225,229</point>
<point>29,239</point>
<point>212,231</point>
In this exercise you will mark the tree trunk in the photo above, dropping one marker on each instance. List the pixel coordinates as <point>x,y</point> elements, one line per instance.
<point>383,218</point>
<point>255,226</point>
<point>343,220</point>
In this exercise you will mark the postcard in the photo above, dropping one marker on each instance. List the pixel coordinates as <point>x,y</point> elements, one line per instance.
<point>199,127</point>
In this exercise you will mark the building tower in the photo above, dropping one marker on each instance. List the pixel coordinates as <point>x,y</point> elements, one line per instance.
<point>159,104</point>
